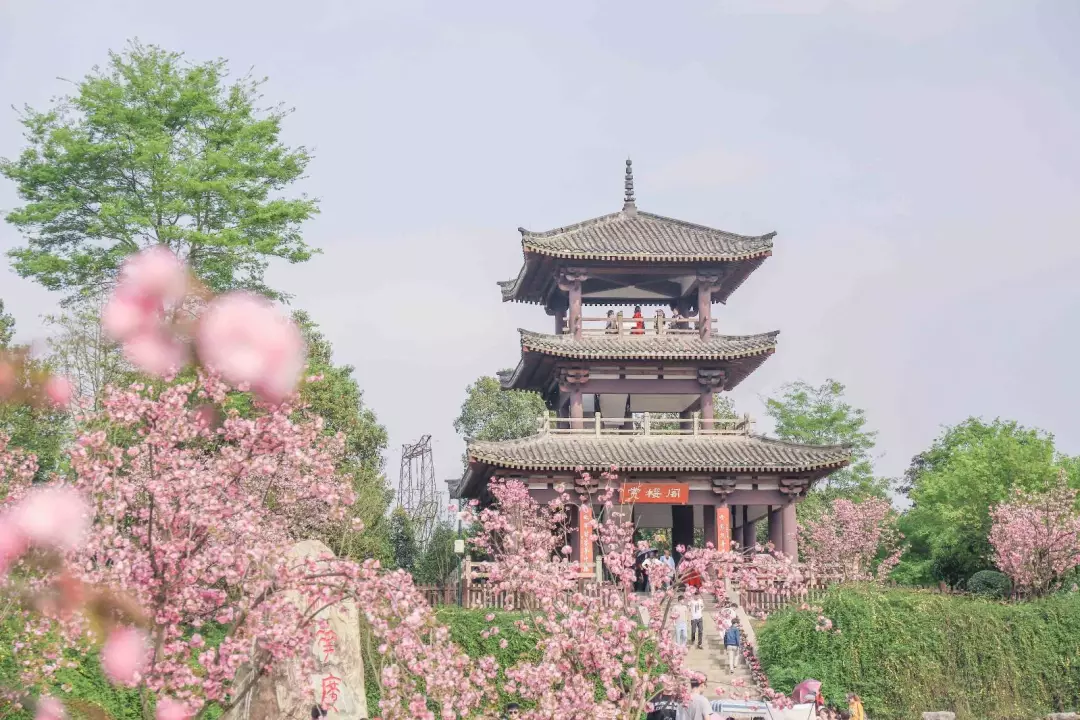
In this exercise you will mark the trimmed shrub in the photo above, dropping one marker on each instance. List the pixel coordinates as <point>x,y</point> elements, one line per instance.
<point>989,583</point>
<point>905,652</point>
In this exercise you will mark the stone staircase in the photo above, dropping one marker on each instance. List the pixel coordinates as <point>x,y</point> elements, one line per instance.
<point>711,661</point>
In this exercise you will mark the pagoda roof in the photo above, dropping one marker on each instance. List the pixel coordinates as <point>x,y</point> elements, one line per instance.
<point>747,453</point>
<point>649,346</point>
<point>632,237</point>
<point>641,236</point>
<point>740,355</point>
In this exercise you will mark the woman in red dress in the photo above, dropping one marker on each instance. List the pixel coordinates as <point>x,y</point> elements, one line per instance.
<point>639,326</point>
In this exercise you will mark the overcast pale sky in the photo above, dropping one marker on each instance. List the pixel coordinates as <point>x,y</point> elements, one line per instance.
<point>919,160</point>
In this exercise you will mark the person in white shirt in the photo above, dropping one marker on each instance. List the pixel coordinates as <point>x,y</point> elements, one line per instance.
<point>680,614</point>
<point>697,612</point>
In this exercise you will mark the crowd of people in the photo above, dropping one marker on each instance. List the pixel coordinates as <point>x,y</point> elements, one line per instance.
<point>661,323</point>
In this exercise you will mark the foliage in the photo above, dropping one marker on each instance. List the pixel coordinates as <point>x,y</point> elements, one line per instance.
<point>438,562</point>
<point>821,416</point>
<point>989,583</point>
<point>491,413</point>
<point>339,401</point>
<point>39,428</point>
<point>7,327</point>
<point>970,468</point>
<point>906,651</point>
<point>1036,537</point>
<point>83,353</point>
<point>403,539</point>
<point>153,149</point>
<point>849,538</point>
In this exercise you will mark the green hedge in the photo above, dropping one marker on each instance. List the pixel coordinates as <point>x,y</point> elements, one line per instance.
<point>905,652</point>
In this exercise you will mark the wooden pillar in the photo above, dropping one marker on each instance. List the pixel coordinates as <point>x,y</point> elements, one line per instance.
<point>682,528</point>
<point>776,532</point>
<point>723,528</point>
<point>577,408</point>
<point>749,530</point>
<point>708,517</point>
<point>586,524</point>
<point>707,411</point>
<point>575,309</point>
<point>791,531</point>
<point>573,521</point>
<point>704,310</point>
<point>569,281</point>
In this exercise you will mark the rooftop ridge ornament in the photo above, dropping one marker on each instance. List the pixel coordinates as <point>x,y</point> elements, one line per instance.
<point>628,197</point>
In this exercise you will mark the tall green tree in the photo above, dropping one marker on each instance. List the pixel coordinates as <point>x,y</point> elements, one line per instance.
<point>491,413</point>
<point>339,400</point>
<point>403,540</point>
<point>438,561</point>
<point>970,467</point>
<point>154,149</point>
<point>820,415</point>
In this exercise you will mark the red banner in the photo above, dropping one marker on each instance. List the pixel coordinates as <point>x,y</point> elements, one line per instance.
<point>585,531</point>
<point>665,493</point>
<point>723,528</point>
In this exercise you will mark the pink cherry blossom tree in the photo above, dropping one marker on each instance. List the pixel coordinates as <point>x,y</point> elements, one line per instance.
<point>845,542</point>
<point>1036,537</point>
<point>609,636</point>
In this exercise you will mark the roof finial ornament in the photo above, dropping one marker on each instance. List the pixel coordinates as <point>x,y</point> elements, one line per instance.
<point>628,197</point>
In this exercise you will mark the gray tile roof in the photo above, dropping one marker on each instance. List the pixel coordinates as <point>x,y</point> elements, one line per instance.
<point>642,453</point>
<point>649,346</point>
<point>639,235</point>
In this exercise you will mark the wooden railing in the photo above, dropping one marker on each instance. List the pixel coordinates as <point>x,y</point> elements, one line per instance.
<point>620,325</point>
<point>483,596</point>
<point>647,424</point>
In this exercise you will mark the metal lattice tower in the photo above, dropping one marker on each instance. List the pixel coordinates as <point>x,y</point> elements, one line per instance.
<point>416,488</point>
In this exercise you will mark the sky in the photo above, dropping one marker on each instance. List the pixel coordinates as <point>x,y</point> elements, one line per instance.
<point>920,162</point>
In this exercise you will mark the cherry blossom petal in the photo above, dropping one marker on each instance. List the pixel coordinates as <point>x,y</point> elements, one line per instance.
<point>124,655</point>
<point>58,390</point>
<point>156,353</point>
<point>55,516</point>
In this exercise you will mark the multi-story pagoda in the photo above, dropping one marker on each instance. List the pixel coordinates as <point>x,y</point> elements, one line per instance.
<point>637,393</point>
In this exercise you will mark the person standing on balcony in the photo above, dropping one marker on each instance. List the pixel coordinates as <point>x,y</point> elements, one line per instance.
<point>678,322</point>
<point>612,324</point>
<point>639,325</point>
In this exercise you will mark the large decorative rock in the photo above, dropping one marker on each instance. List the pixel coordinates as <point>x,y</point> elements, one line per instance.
<point>338,682</point>
<point>1063,716</point>
<point>939,716</point>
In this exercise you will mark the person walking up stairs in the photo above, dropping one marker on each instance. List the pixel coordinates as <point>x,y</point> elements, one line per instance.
<point>732,644</point>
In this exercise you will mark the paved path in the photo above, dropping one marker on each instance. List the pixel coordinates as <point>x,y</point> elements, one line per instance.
<point>711,661</point>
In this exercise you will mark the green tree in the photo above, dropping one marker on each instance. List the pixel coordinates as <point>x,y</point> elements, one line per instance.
<point>821,416</point>
<point>438,562</point>
<point>491,413</point>
<point>403,539</point>
<point>80,350</point>
<point>952,485</point>
<point>39,429</point>
<point>339,400</point>
<point>7,327</point>
<point>154,149</point>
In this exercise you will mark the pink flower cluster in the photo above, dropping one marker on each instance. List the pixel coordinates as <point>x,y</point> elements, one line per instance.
<point>239,335</point>
<point>1036,537</point>
<point>845,541</point>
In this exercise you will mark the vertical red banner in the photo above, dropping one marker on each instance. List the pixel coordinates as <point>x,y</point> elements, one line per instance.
<point>585,543</point>
<point>723,528</point>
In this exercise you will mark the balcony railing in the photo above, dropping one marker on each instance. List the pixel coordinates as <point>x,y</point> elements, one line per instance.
<point>619,325</point>
<point>647,424</point>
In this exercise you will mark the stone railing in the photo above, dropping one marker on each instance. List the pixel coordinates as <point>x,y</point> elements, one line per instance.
<point>618,325</point>
<point>648,424</point>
